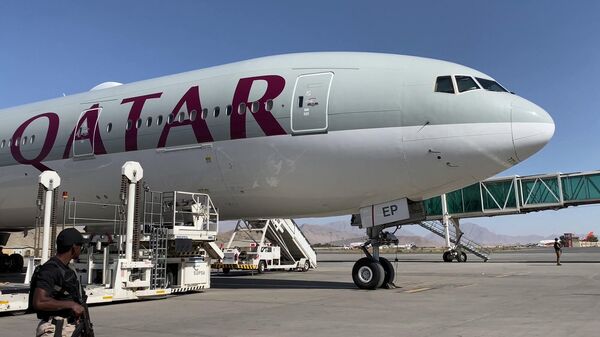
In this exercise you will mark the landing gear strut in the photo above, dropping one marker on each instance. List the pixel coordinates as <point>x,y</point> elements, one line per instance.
<point>373,271</point>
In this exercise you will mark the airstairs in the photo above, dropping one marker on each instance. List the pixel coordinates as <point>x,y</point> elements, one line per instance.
<point>267,244</point>
<point>287,235</point>
<point>437,227</point>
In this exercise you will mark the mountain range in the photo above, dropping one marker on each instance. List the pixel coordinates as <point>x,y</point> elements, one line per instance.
<point>341,232</point>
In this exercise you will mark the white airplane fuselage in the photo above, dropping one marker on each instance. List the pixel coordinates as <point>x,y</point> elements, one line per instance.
<point>311,134</point>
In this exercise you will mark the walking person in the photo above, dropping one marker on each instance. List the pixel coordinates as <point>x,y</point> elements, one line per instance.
<point>557,250</point>
<point>55,290</point>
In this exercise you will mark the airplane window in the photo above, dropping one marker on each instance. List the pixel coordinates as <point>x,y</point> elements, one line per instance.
<point>159,120</point>
<point>138,124</point>
<point>242,108</point>
<point>109,127</point>
<point>269,105</point>
<point>24,141</point>
<point>466,83</point>
<point>32,139</point>
<point>149,122</point>
<point>444,84</point>
<point>254,107</point>
<point>217,111</point>
<point>129,124</point>
<point>170,119</point>
<point>181,117</point>
<point>490,85</point>
<point>17,141</point>
<point>204,113</point>
<point>228,110</point>
<point>2,144</point>
<point>193,115</point>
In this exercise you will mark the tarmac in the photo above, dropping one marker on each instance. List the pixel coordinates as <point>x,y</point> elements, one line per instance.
<point>520,293</point>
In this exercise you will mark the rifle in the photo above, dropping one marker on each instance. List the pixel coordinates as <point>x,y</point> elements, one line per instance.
<point>84,327</point>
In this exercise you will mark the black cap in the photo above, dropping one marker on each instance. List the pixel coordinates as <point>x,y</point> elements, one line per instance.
<point>69,237</point>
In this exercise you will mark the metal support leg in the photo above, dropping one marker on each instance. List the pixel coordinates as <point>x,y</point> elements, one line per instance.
<point>50,181</point>
<point>134,173</point>
<point>90,261</point>
<point>105,279</point>
<point>445,220</point>
<point>130,217</point>
<point>460,256</point>
<point>46,233</point>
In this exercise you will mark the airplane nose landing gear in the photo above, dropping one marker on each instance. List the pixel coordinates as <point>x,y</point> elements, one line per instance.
<point>373,271</point>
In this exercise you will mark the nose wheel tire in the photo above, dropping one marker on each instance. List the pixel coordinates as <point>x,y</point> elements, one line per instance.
<point>368,274</point>
<point>389,273</point>
<point>462,257</point>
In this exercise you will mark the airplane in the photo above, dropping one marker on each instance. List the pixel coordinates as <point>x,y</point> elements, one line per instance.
<point>295,135</point>
<point>545,243</point>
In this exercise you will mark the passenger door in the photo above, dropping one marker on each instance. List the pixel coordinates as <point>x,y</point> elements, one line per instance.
<point>310,103</point>
<point>85,133</point>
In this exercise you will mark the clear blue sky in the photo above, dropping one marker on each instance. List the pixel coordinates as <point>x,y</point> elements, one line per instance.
<point>548,52</point>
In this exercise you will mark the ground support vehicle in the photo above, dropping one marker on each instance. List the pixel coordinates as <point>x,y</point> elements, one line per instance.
<point>267,244</point>
<point>156,244</point>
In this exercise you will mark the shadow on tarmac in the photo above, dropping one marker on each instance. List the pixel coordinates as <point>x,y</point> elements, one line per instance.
<point>233,282</point>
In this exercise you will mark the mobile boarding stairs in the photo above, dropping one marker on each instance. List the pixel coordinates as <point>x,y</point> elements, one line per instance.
<point>267,244</point>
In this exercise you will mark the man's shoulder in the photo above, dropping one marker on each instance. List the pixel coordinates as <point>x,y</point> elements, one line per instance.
<point>51,266</point>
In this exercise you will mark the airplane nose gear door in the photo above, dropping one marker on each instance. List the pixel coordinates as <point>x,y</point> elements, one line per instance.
<point>310,103</point>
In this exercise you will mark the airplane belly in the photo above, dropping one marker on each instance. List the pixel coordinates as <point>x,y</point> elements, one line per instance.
<point>312,174</point>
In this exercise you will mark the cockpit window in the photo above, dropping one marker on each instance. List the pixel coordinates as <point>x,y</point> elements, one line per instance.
<point>466,83</point>
<point>490,85</point>
<point>444,84</point>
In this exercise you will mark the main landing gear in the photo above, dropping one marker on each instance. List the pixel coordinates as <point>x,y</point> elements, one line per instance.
<point>373,271</point>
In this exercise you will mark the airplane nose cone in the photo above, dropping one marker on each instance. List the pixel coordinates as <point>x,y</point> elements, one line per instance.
<point>532,128</point>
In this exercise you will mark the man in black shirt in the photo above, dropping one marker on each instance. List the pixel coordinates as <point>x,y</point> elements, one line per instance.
<point>558,251</point>
<point>56,290</point>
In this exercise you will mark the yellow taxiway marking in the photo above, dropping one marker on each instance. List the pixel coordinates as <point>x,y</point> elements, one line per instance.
<point>418,290</point>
